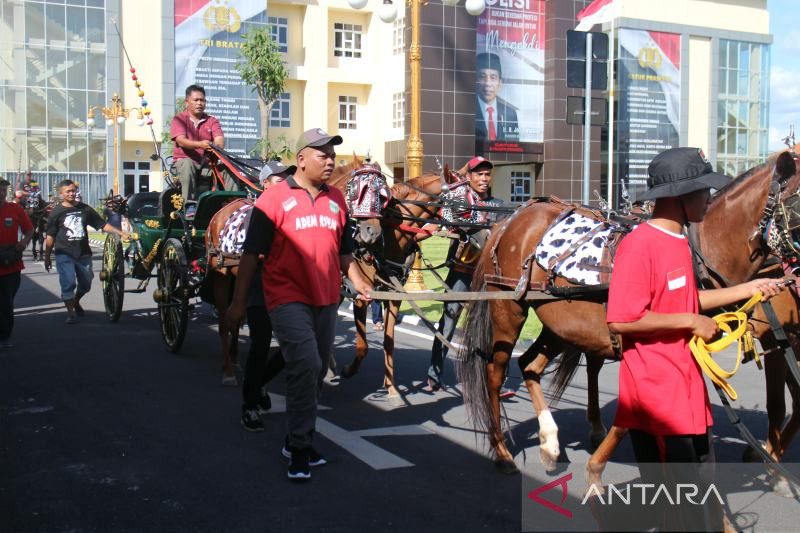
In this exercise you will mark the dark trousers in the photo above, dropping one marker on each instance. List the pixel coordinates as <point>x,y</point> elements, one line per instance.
<point>458,282</point>
<point>687,459</point>
<point>260,368</point>
<point>9,284</point>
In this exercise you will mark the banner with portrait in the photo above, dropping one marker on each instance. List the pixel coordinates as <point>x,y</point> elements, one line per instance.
<point>509,75</point>
<point>207,40</point>
<point>649,102</point>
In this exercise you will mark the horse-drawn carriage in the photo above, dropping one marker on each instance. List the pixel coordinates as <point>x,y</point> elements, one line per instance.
<point>168,235</point>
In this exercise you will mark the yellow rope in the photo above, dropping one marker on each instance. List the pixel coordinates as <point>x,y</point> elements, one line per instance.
<point>734,325</point>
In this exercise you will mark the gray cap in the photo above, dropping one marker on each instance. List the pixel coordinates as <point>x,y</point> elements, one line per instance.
<point>316,137</point>
<point>275,167</point>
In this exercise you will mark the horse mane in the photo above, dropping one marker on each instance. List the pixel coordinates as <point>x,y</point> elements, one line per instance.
<point>772,160</point>
<point>407,189</point>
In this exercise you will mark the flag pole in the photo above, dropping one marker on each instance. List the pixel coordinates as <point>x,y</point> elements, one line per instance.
<point>610,194</point>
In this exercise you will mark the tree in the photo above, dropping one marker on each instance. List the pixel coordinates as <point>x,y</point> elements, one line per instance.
<point>269,150</point>
<point>263,68</point>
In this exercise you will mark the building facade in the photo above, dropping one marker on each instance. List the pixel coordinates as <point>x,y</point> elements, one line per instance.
<point>686,72</point>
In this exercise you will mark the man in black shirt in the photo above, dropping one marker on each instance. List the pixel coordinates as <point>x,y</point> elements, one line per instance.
<point>66,233</point>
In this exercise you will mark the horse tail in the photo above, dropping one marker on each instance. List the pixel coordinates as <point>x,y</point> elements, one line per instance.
<point>565,370</point>
<point>475,353</point>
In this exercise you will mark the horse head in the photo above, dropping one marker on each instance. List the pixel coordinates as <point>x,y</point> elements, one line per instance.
<point>367,195</point>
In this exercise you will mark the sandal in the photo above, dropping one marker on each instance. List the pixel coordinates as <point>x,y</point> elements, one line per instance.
<point>432,385</point>
<point>378,326</point>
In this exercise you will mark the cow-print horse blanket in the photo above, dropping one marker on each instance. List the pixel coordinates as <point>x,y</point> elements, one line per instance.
<point>589,239</point>
<point>233,233</point>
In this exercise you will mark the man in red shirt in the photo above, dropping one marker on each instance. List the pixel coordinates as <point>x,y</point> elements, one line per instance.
<point>13,221</point>
<point>654,304</point>
<point>193,131</point>
<point>301,227</point>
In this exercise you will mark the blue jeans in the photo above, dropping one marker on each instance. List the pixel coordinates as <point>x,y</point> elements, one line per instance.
<point>74,274</point>
<point>458,282</point>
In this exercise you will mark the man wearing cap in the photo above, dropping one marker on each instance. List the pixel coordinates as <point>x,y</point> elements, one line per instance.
<point>474,190</point>
<point>193,131</point>
<point>262,364</point>
<point>654,304</point>
<point>299,225</point>
<point>495,119</point>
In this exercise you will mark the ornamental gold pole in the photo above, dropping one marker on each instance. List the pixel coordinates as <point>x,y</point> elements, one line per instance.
<point>414,145</point>
<point>114,113</point>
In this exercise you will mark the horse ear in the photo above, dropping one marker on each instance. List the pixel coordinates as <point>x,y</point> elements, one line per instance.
<point>462,171</point>
<point>785,166</point>
<point>447,174</point>
<point>357,161</point>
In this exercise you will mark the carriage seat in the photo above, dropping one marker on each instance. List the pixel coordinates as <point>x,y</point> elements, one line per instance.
<point>142,204</point>
<point>210,202</point>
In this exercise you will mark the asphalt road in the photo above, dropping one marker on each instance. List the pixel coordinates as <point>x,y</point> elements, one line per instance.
<point>102,429</point>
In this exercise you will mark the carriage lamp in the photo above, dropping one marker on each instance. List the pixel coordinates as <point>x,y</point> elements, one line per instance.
<point>115,116</point>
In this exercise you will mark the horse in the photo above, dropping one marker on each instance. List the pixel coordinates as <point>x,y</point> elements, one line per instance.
<point>37,210</point>
<point>222,260</point>
<point>736,252</point>
<point>387,246</point>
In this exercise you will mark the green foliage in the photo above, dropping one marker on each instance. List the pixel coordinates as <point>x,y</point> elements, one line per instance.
<point>167,144</point>
<point>263,68</point>
<point>273,150</point>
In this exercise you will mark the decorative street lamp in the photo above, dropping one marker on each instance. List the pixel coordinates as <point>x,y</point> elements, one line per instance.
<point>387,13</point>
<point>115,116</point>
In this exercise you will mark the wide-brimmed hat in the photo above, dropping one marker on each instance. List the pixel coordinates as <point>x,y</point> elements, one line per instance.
<point>275,167</point>
<point>679,171</point>
<point>316,137</point>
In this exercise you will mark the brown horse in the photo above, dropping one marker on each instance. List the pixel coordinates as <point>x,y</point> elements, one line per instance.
<point>735,250</point>
<point>222,268</point>
<point>391,256</point>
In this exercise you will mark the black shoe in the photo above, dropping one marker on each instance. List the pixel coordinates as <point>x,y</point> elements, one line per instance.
<point>314,457</point>
<point>251,421</point>
<point>299,466</point>
<point>264,402</point>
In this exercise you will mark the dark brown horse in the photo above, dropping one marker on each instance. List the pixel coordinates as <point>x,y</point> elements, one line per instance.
<point>729,239</point>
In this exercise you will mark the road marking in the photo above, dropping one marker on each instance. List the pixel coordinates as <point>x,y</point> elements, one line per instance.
<point>394,431</point>
<point>32,410</point>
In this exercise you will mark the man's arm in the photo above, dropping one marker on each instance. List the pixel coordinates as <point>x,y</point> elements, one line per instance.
<point>48,249</point>
<point>186,144</point>
<point>714,298</point>
<point>217,135</point>
<point>652,324</point>
<point>351,269</point>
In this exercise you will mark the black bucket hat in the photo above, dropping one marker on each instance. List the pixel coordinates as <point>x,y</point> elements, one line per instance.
<point>679,171</point>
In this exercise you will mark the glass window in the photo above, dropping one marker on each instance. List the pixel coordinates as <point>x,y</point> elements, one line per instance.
<point>56,67</point>
<point>37,150</point>
<point>279,31</point>
<point>96,3</point>
<point>56,108</point>
<point>96,70</point>
<point>129,165</point>
<point>76,70</point>
<point>57,151</point>
<point>347,112</point>
<point>36,108</point>
<point>76,109</point>
<point>143,165</point>
<point>77,152</point>
<point>76,26</point>
<point>97,151</point>
<point>36,66</point>
<point>398,109</point>
<point>95,26</point>
<point>280,115</point>
<point>56,22</point>
<point>347,40</point>
<point>398,36</point>
<point>520,186</point>
<point>34,23</point>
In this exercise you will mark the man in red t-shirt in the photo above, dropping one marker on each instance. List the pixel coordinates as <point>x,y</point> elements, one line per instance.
<point>654,304</point>
<point>300,225</point>
<point>13,221</point>
<point>193,131</point>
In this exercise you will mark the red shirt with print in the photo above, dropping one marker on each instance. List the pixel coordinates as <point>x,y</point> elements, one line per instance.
<point>12,220</point>
<point>661,387</point>
<point>303,262</point>
<point>205,130</point>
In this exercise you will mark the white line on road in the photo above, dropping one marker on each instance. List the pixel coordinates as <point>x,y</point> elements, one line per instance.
<point>377,458</point>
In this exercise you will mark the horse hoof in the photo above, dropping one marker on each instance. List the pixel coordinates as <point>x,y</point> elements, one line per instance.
<point>395,400</point>
<point>783,487</point>
<point>506,466</point>
<point>348,371</point>
<point>230,381</point>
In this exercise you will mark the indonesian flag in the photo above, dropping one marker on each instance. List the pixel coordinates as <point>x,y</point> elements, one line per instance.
<point>198,21</point>
<point>597,12</point>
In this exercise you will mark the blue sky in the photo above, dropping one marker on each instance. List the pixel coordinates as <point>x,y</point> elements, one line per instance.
<point>785,70</point>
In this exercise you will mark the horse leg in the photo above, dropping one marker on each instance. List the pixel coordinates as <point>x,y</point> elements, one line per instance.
<point>220,284</point>
<point>775,373</point>
<point>362,347</point>
<point>532,364</point>
<point>597,462</point>
<point>388,352</point>
<point>598,432</point>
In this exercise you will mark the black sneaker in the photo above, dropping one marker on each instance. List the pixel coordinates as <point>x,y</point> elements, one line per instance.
<point>299,466</point>
<point>251,421</point>
<point>314,457</point>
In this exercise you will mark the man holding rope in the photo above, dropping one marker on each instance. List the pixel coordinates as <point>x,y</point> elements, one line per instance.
<point>654,304</point>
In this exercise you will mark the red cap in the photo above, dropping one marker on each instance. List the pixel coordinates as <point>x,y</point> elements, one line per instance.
<point>477,161</point>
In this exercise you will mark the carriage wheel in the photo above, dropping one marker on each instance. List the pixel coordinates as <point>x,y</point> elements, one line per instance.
<point>113,276</point>
<point>173,295</point>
